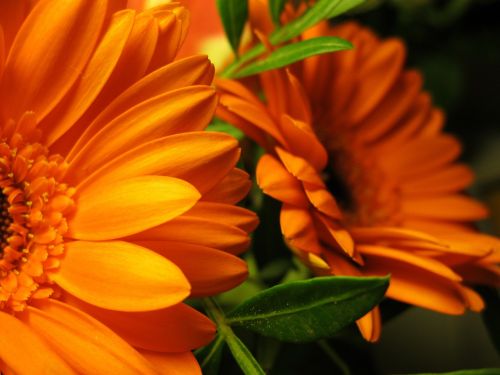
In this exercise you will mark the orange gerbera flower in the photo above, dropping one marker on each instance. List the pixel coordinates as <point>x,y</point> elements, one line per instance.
<point>116,206</point>
<point>369,182</point>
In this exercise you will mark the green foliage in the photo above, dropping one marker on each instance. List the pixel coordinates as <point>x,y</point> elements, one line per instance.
<point>275,8</point>
<point>309,310</point>
<point>210,356</point>
<point>292,53</point>
<point>322,10</point>
<point>234,14</point>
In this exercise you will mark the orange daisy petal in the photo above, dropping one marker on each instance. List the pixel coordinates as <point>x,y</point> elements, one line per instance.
<point>94,77</point>
<point>447,207</point>
<point>178,328</point>
<point>121,208</point>
<point>173,363</point>
<point>178,111</point>
<point>226,214</point>
<point>231,189</point>
<point>277,182</point>
<point>120,276</point>
<point>24,352</point>
<point>87,345</point>
<point>208,233</point>
<point>200,158</point>
<point>213,272</point>
<point>49,62</point>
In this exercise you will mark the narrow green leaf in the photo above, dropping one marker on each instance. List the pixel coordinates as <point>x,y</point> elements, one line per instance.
<point>323,9</point>
<point>240,352</point>
<point>275,8</point>
<point>309,310</point>
<point>210,356</point>
<point>294,52</point>
<point>234,14</point>
<point>242,355</point>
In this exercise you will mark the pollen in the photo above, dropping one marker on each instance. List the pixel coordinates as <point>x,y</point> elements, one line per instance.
<point>32,224</point>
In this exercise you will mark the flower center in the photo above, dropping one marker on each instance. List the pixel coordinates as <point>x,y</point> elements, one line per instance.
<point>5,222</point>
<point>34,206</point>
<point>365,194</point>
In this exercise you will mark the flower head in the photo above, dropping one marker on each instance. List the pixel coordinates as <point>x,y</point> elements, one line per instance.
<point>369,182</point>
<point>116,206</point>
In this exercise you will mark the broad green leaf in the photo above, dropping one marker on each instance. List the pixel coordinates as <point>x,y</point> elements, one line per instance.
<point>234,14</point>
<point>309,310</point>
<point>294,52</point>
<point>275,8</point>
<point>482,371</point>
<point>210,356</point>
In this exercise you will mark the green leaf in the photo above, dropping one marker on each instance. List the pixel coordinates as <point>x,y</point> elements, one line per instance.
<point>234,14</point>
<point>483,371</point>
<point>309,310</point>
<point>210,356</point>
<point>248,364</point>
<point>323,9</point>
<point>275,8</point>
<point>294,52</point>
<point>240,352</point>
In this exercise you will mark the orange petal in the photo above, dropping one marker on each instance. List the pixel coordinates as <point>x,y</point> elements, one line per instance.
<point>447,207</point>
<point>255,114</point>
<point>376,76</point>
<point>195,70</point>
<point>277,182</point>
<point>173,363</point>
<point>25,353</point>
<point>370,325</point>
<point>178,111</point>
<point>94,76</point>
<point>198,231</point>
<point>298,228</point>
<point>415,285</point>
<point>120,276</point>
<point>178,328</point>
<point>49,62</point>
<point>300,168</point>
<point>422,155</point>
<point>224,213</point>
<point>12,15</point>
<point>323,200</point>
<point>87,345</point>
<point>129,206</point>
<point>301,141</point>
<point>451,179</point>
<point>428,264</point>
<point>201,158</point>
<point>213,272</point>
<point>334,234</point>
<point>232,189</point>
<point>393,107</point>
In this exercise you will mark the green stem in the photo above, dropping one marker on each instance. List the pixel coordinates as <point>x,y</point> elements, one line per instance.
<point>332,354</point>
<point>240,352</point>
